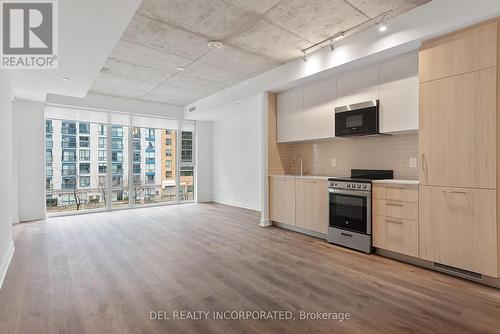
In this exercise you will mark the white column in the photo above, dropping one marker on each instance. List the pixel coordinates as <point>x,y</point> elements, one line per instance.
<point>30,139</point>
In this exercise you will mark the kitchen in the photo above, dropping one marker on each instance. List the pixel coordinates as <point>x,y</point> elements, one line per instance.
<point>365,159</point>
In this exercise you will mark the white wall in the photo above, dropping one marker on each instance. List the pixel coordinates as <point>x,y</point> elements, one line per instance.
<point>204,161</point>
<point>6,184</point>
<point>30,139</point>
<point>237,154</point>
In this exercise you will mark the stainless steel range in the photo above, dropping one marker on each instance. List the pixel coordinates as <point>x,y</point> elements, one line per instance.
<point>351,208</point>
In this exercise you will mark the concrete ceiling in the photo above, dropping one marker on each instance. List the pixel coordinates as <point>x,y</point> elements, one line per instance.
<point>258,35</point>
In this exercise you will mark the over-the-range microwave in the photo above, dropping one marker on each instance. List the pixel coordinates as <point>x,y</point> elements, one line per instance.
<point>355,120</point>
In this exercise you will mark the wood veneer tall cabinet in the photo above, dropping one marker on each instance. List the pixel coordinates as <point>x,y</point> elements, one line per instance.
<point>459,149</point>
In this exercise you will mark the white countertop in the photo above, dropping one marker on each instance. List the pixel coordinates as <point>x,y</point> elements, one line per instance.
<point>315,177</point>
<point>392,181</point>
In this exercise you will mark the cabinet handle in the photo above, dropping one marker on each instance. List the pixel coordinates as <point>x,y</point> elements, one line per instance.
<point>394,221</point>
<point>424,164</point>
<point>454,192</point>
<point>394,204</point>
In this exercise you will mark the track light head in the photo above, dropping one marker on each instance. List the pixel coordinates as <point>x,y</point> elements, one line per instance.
<point>332,46</point>
<point>304,56</point>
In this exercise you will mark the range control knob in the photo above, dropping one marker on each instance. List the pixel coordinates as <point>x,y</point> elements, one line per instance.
<point>364,186</point>
<point>348,185</point>
<point>359,186</point>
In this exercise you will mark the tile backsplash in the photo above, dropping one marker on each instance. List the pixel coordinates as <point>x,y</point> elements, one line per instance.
<point>383,152</point>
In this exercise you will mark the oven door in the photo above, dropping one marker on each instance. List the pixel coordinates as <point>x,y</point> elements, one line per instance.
<point>350,210</point>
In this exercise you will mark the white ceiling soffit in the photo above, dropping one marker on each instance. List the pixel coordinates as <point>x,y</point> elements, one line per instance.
<point>88,32</point>
<point>258,35</point>
<point>405,33</point>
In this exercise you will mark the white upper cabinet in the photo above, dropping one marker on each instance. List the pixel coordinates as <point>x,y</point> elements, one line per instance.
<point>308,112</point>
<point>290,115</point>
<point>319,109</point>
<point>358,86</point>
<point>399,94</point>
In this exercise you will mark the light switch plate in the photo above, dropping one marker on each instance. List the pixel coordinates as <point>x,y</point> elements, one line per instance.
<point>334,162</point>
<point>413,162</point>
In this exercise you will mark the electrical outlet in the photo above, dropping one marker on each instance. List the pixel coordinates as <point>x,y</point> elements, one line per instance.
<point>334,162</point>
<point>413,162</point>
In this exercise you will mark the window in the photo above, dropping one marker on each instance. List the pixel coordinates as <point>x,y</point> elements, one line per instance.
<point>48,155</point>
<point>117,156</point>
<point>136,133</point>
<point>68,128</point>
<point>84,141</point>
<point>137,156</point>
<point>102,168</point>
<point>116,131</point>
<point>102,130</point>
<point>150,179</point>
<point>168,163</point>
<point>68,169</point>
<point>48,184</point>
<point>151,146</point>
<point>137,168</point>
<point>117,169</point>
<point>136,145</point>
<point>150,134</point>
<point>84,181</point>
<point>168,152</point>
<point>187,171</point>
<point>84,155</point>
<point>117,181</point>
<point>168,174</point>
<point>168,132</point>
<point>168,141</point>
<point>187,147</point>
<point>68,155</point>
<point>102,142</point>
<point>67,199</point>
<point>68,183</point>
<point>150,155</point>
<point>84,128</point>
<point>85,168</point>
<point>117,144</point>
<point>68,142</point>
<point>48,141</point>
<point>150,168</point>
<point>48,126</point>
<point>102,156</point>
<point>48,170</point>
<point>102,181</point>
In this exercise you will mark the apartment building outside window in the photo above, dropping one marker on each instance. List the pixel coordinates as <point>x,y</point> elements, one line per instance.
<point>81,152</point>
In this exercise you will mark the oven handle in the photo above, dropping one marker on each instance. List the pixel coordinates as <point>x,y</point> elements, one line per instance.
<point>350,192</point>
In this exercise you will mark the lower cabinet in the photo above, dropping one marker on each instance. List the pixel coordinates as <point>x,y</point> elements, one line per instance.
<point>311,205</point>
<point>395,218</point>
<point>282,200</point>
<point>458,228</point>
<point>299,202</point>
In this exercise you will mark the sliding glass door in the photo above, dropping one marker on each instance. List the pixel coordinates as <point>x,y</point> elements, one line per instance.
<point>109,165</point>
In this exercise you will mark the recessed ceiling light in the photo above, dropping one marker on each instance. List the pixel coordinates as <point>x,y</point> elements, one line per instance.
<point>181,68</point>
<point>382,27</point>
<point>215,45</point>
<point>65,79</point>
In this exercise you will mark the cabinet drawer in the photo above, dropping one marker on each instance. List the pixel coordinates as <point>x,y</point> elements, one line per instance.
<point>410,194</point>
<point>394,194</point>
<point>395,234</point>
<point>402,210</point>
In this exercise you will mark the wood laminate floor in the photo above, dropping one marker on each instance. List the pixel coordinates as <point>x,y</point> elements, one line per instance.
<point>105,273</point>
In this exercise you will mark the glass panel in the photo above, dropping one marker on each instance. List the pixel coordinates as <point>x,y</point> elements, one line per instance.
<point>119,166</point>
<point>186,173</point>
<point>154,169</point>
<point>73,180</point>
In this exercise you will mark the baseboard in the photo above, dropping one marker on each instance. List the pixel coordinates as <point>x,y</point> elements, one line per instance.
<point>300,230</point>
<point>265,222</point>
<point>238,205</point>
<point>5,265</point>
<point>204,201</point>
